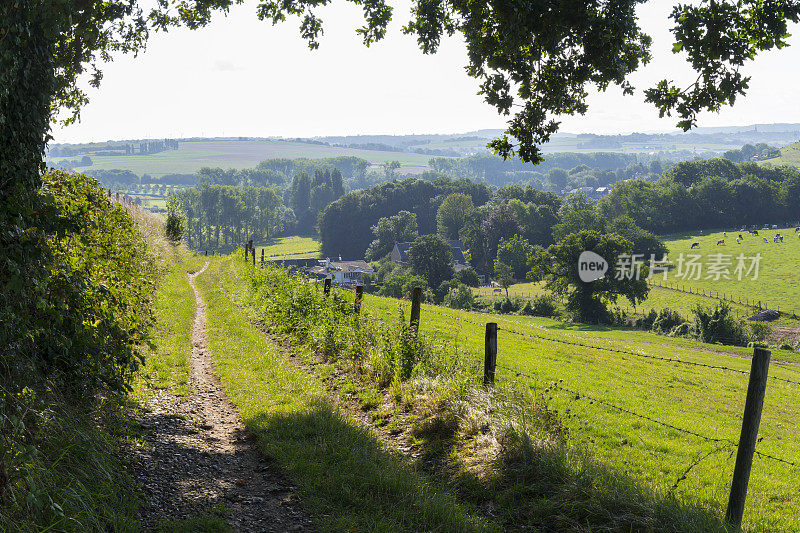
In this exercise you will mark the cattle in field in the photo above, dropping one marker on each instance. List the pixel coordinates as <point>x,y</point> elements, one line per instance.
<point>725,234</point>
<point>765,240</point>
<point>722,241</point>
<point>695,245</point>
<point>740,236</point>
<point>738,241</point>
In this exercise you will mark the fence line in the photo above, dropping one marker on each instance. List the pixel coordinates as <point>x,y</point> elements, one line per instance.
<point>752,415</point>
<point>702,292</point>
<point>616,350</point>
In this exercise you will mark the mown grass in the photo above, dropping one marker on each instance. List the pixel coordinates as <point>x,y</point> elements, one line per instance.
<point>293,247</point>
<point>701,400</point>
<point>347,478</point>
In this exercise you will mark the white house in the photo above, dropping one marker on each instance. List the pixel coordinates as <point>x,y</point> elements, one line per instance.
<point>343,271</point>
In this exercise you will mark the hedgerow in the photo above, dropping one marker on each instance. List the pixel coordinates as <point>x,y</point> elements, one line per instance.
<point>75,311</point>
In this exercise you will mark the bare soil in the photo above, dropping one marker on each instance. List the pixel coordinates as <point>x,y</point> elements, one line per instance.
<point>196,458</point>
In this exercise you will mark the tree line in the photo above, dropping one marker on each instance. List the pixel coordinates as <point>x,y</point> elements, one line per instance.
<point>222,217</point>
<point>710,193</point>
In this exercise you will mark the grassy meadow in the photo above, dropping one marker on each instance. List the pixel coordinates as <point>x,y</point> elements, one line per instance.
<point>778,283</point>
<point>191,156</point>
<point>294,247</point>
<point>790,155</point>
<point>571,365</point>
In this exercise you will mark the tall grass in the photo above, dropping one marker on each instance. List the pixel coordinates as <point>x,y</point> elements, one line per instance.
<point>504,450</point>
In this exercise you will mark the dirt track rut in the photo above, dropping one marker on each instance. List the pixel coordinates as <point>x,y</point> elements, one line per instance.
<point>197,458</point>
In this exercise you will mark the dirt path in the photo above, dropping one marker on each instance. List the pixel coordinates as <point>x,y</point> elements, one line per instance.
<point>197,457</point>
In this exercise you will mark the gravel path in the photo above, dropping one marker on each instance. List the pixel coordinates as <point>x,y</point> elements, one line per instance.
<point>197,458</point>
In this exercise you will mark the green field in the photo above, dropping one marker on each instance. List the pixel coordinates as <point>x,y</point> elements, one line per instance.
<point>777,285</point>
<point>659,298</point>
<point>790,155</point>
<point>290,248</point>
<point>191,156</point>
<point>572,365</point>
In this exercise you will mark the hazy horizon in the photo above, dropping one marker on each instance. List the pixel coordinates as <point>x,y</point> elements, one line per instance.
<point>243,77</point>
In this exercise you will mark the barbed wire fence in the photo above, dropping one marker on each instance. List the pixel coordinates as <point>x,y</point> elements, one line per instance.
<point>757,378</point>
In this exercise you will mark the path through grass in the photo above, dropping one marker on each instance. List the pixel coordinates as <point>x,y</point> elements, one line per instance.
<point>347,478</point>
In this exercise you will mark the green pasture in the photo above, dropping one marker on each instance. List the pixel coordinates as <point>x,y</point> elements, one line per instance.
<point>659,298</point>
<point>191,156</point>
<point>647,381</point>
<point>294,247</point>
<point>777,285</point>
<point>790,155</point>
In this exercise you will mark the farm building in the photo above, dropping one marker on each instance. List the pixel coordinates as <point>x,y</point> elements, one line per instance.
<point>342,271</point>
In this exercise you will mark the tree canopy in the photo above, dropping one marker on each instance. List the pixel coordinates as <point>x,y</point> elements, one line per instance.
<point>558,266</point>
<point>535,59</point>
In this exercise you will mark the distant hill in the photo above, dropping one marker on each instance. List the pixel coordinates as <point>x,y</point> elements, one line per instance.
<point>790,155</point>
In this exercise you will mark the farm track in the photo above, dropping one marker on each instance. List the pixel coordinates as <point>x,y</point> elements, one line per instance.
<point>198,458</point>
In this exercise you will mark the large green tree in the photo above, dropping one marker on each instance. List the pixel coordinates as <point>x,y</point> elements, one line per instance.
<point>452,214</point>
<point>431,258</point>
<point>558,266</point>
<point>536,58</point>
<point>516,253</point>
<point>401,227</point>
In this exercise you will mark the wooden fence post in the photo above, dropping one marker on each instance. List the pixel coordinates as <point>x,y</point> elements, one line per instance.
<point>416,298</point>
<point>327,288</point>
<point>206,253</point>
<point>262,257</point>
<point>490,354</point>
<point>753,405</point>
<point>359,295</point>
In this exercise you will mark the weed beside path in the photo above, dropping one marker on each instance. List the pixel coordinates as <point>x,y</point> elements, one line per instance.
<point>346,476</point>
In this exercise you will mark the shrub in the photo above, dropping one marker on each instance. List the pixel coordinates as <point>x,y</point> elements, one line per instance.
<point>667,320</point>
<point>717,325</point>
<point>760,331</point>
<point>77,291</point>
<point>460,298</point>
<point>541,306</point>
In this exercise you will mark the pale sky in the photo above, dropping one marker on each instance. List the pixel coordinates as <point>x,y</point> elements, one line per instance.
<point>243,77</point>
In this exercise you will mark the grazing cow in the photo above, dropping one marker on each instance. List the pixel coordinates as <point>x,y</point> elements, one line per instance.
<point>738,241</point>
<point>765,240</point>
<point>797,229</point>
<point>781,238</point>
<point>695,245</point>
<point>755,232</point>
<point>720,242</point>
<point>725,234</point>
<point>775,238</point>
<point>740,236</point>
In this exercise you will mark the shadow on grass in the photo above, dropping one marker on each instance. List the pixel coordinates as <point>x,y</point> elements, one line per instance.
<point>190,484</point>
<point>547,486</point>
<point>352,481</point>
